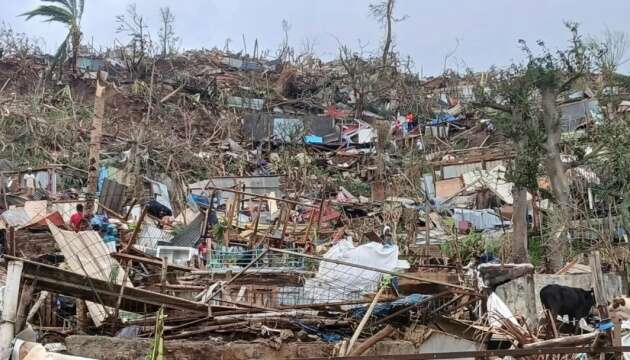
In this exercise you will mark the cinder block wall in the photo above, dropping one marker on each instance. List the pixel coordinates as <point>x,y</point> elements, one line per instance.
<point>514,294</point>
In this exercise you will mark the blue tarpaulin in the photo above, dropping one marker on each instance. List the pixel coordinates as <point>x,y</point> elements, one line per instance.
<point>327,336</point>
<point>443,118</point>
<point>199,200</point>
<point>384,309</point>
<point>313,139</point>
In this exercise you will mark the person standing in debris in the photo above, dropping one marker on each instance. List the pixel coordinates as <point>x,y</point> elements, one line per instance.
<point>29,182</point>
<point>77,218</point>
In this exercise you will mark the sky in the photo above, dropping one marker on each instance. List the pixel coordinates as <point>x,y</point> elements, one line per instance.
<point>477,33</point>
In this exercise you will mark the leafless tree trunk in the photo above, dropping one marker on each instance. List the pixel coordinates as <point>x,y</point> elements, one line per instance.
<point>96,133</point>
<point>557,177</point>
<point>519,225</point>
<point>388,35</point>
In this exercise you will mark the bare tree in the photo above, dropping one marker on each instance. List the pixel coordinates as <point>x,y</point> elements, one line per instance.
<point>611,49</point>
<point>17,44</point>
<point>168,39</point>
<point>285,49</point>
<point>139,45</point>
<point>383,12</point>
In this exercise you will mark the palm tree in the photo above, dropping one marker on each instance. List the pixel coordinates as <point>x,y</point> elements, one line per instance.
<point>67,12</point>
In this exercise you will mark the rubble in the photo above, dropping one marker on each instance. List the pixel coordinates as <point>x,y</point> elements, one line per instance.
<point>256,208</point>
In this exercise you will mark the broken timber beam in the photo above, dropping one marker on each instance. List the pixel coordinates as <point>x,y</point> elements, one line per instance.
<point>68,283</point>
<point>486,354</point>
<point>400,275</point>
<point>15,272</point>
<point>150,261</point>
<point>563,341</point>
<point>256,196</point>
<point>136,231</point>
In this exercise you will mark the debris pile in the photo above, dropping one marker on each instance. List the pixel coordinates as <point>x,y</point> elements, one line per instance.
<point>242,200</point>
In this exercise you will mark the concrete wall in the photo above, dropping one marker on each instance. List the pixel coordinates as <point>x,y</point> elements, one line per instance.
<point>514,294</point>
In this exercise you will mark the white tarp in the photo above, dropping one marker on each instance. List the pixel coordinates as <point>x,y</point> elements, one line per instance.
<point>335,282</point>
<point>497,310</point>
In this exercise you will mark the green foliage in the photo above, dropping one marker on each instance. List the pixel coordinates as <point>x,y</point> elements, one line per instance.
<point>68,13</point>
<point>469,246</point>
<point>509,96</point>
<point>218,229</point>
<point>355,186</point>
<point>536,250</point>
<point>157,344</point>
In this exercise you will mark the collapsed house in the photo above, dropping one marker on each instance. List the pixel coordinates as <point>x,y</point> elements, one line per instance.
<point>327,232</point>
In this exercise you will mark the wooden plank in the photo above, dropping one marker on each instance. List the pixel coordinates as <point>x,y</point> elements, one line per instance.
<point>9,306</point>
<point>257,196</point>
<point>136,300</point>
<point>485,354</point>
<point>364,321</point>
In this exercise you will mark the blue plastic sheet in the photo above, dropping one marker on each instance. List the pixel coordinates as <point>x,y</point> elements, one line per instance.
<point>313,139</point>
<point>443,118</point>
<point>327,336</point>
<point>384,309</point>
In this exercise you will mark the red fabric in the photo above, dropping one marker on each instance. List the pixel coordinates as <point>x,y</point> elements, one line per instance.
<point>75,220</point>
<point>202,249</point>
<point>328,214</point>
<point>334,113</point>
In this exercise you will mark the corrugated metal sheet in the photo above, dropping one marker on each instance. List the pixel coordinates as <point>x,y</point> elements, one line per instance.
<point>484,219</point>
<point>86,254</point>
<point>189,236</point>
<point>245,103</point>
<point>259,185</point>
<point>113,195</point>
<point>161,193</point>
<point>15,217</point>
<point>451,171</point>
<point>150,235</point>
<point>259,127</point>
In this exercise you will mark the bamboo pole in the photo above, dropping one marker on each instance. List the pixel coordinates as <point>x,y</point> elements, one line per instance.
<point>364,321</point>
<point>364,346</point>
